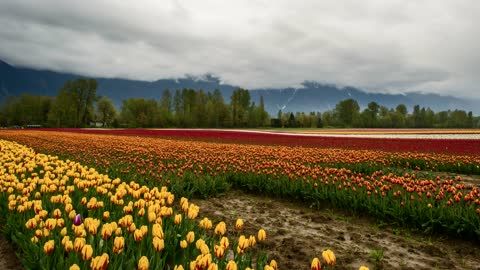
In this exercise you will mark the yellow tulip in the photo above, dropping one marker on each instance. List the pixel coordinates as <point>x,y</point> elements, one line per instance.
<point>224,242</point>
<point>49,246</point>
<point>68,246</point>
<point>79,243</point>
<point>221,228</point>
<point>31,223</point>
<point>60,222</point>
<point>178,267</point>
<point>87,252</point>
<point>141,212</point>
<point>251,241</point>
<point>50,224</point>
<point>273,264</point>
<point>206,223</point>
<point>200,242</point>
<point>329,257</point>
<point>178,219</point>
<point>213,266</point>
<point>190,237</point>
<point>204,249</point>
<point>239,224</point>
<point>74,267</point>
<point>144,230</point>
<point>316,265</point>
<point>231,265</point>
<point>193,211</point>
<point>100,262</point>
<point>152,216</point>
<point>106,215</point>
<point>262,235</point>
<point>183,244</point>
<point>57,213</point>
<point>158,244</point>
<point>143,263</point>
<point>138,235</point>
<point>157,231</point>
<point>363,268</point>
<point>106,231</point>
<point>118,244</point>
<point>219,251</point>
<point>242,242</point>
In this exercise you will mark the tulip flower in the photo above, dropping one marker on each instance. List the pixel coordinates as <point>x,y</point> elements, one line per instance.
<point>363,268</point>
<point>118,244</point>
<point>49,246</point>
<point>74,267</point>
<point>206,223</point>
<point>183,244</point>
<point>251,241</point>
<point>158,244</point>
<point>178,267</point>
<point>77,220</point>
<point>219,251</point>
<point>79,243</point>
<point>273,264</point>
<point>178,219</point>
<point>143,263</point>
<point>262,235</point>
<point>224,242</point>
<point>138,235</point>
<point>100,262</point>
<point>231,265</point>
<point>329,257</point>
<point>221,228</point>
<point>157,231</point>
<point>190,237</point>
<point>316,265</point>
<point>87,252</point>
<point>242,242</point>
<point>239,224</point>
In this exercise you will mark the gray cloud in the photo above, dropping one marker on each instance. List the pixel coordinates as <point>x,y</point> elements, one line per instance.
<point>382,46</point>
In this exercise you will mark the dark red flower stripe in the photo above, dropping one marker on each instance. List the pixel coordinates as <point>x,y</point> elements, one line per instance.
<point>452,146</point>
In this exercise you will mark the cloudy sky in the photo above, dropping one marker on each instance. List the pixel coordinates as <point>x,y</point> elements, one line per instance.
<point>379,45</point>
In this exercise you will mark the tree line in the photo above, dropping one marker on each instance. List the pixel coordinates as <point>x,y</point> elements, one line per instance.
<point>347,113</point>
<point>78,105</point>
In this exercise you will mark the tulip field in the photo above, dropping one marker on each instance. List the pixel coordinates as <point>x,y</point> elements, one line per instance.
<point>125,199</point>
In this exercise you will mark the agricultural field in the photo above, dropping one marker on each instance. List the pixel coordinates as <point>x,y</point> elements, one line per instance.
<point>144,198</point>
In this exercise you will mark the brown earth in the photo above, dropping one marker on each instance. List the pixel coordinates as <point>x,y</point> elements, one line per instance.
<point>8,258</point>
<point>296,234</point>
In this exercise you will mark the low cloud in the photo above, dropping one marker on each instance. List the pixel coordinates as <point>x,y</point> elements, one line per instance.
<point>382,46</point>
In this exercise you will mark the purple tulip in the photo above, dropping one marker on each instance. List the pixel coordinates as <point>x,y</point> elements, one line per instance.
<point>77,220</point>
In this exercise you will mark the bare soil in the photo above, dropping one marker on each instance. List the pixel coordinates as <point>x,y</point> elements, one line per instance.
<point>8,258</point>
<point>296,234</point>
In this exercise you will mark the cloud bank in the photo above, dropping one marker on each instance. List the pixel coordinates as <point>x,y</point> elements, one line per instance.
<point>393,46</point>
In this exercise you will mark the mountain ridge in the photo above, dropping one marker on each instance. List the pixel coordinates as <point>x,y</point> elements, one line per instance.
<point>312,96</point>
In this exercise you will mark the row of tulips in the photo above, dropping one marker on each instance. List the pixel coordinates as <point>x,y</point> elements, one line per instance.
<point>457,146</point>
<point>206,168</point>
<point>154,153</point>
<point>62,215</point>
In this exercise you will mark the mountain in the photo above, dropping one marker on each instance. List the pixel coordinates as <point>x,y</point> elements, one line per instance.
<point>312,96</point>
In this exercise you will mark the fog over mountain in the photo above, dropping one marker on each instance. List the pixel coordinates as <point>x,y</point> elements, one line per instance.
<point>393,46</point>
<point>310,96</point>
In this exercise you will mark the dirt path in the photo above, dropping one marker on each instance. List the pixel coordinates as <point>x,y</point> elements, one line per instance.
<point>296,234</point>
<point>8,258</point>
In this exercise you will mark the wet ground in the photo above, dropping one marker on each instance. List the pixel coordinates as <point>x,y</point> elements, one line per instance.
<point>296,234</point>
